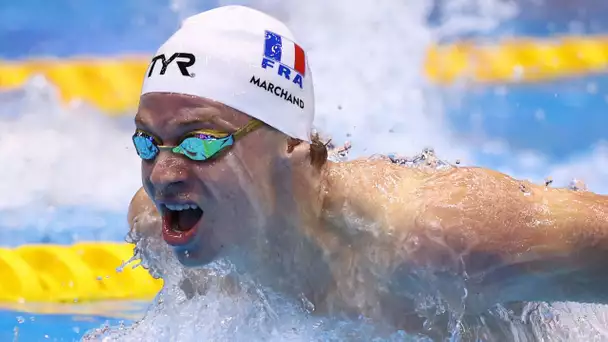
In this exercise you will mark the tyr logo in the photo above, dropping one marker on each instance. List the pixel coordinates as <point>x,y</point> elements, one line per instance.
<point>183,60</point>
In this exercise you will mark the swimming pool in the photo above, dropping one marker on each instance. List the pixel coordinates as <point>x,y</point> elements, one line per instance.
<point>59,292</point>
<point>78,190</point>
<point>64,322</point>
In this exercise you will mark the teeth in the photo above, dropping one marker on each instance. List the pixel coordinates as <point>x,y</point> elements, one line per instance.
<point>180,207</point>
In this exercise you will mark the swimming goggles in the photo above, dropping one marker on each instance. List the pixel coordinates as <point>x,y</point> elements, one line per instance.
<point>197,145</point>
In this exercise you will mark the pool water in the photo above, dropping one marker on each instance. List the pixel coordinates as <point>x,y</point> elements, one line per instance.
<point>81,186</point>
<point>64,322</point>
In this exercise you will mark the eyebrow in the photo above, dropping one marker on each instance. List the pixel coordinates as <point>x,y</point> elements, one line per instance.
<point>139,122</point>
<point>196,117</point>
<point>210,123</point>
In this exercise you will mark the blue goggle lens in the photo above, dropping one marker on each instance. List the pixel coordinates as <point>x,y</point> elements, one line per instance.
<point>198,147</point>
<point>145,146</point>
<point>202,147</point>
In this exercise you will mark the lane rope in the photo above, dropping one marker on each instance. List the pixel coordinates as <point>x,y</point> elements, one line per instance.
<point>113,85</point>
<point>82,272</point>
<point>517,60</point>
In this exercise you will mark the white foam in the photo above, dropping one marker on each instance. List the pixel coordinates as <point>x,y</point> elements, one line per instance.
<point>367,60</point>
<point>54,155</point>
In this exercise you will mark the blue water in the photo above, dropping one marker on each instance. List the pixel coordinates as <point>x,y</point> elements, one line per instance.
<point>62,322</point>
<point>63,225</point>
<point>66,28</point>
<point>22,326</point>
<point>560,119</point>
<point>572,115</point>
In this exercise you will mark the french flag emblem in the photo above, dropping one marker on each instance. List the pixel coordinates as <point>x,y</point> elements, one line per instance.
<point>284,51</point>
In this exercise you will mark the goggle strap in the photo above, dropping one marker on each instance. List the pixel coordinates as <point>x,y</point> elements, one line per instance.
<point>249,127</point>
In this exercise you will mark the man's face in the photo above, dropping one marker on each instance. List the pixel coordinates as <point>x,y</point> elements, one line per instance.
<point>205,205</point>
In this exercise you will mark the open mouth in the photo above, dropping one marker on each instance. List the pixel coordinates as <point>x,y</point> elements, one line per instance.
<point>180,222</point>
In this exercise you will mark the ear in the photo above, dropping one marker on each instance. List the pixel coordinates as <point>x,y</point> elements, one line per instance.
<point>298,151</point>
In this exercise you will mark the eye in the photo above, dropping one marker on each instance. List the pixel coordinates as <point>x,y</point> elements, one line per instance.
<point>145,146</point>
<point>193,146</point>
<point>209,134</point>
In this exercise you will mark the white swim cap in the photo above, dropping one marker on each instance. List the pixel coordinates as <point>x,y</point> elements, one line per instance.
<point>242,58</point>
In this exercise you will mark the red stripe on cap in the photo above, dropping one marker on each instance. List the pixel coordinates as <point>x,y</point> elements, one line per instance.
<point>300,62</point>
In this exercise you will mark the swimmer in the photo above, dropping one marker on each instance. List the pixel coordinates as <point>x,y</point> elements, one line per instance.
<point>231,170</point>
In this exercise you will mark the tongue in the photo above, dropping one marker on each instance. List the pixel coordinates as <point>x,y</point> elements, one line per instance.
<point>186,219</point>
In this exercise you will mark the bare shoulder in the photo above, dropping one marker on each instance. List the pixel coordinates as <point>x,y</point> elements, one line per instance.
<point>490,185</point>
<point>141,206</point>
<point>365,187</point>
<point>464,207</point>
<point>374,177</point>
<point>508,234</point>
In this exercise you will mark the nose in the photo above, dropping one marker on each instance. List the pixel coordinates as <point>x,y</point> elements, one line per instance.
<point>168,172</point>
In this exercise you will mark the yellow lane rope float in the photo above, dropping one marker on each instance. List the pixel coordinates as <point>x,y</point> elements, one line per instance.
<point>83,272</point>
<point>517,60</point>
<point>113,85</point>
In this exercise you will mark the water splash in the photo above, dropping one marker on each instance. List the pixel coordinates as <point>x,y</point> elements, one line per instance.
<point>219,304</point>
<point>376,100</point>
<point>64,148</point>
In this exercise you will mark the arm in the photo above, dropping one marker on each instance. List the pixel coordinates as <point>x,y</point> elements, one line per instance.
<point>517,241</point>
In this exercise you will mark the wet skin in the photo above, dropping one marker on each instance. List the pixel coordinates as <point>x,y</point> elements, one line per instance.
<point>351,236</point>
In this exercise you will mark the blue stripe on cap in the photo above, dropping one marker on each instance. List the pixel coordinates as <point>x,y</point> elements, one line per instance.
<point>273,46</point>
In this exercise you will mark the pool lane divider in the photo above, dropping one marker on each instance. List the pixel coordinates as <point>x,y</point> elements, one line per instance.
<point>113,84</point>
<point>78,273</point>
<point>517,60</point>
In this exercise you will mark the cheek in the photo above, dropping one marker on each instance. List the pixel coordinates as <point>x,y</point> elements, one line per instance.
<point>146,170</point>
<point>259,181</point>
<point>215,173</point>
<point>218,178</point>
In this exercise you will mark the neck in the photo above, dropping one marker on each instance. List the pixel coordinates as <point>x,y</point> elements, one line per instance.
<point>284,255</point>
<point>307,250</point>
<point>303,251</point>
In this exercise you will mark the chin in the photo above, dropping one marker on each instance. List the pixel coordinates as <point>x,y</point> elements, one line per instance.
<point>196,255</point>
